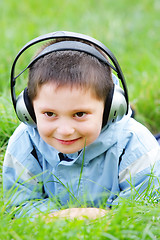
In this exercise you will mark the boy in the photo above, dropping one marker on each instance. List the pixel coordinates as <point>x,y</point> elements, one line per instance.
<point>71,155</point>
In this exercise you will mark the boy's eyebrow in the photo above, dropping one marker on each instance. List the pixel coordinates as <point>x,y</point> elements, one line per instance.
<point>44,108</point>
<point>80,109</point>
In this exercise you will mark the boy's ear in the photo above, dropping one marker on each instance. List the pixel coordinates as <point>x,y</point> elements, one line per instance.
<point>115,106</point>
<point>24,109</point>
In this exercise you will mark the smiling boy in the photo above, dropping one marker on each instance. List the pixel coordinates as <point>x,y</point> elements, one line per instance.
<point>71,153</point>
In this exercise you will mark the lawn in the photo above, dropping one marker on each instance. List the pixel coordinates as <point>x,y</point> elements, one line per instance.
<point>130,29</point>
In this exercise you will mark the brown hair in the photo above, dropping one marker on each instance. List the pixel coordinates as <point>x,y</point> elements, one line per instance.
<point>70,68</point>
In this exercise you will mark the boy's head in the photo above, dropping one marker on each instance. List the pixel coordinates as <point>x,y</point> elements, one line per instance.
<point>71,63</point>
<point>68,90</point>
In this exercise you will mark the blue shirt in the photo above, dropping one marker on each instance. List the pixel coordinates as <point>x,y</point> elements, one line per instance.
<point>118,162</point>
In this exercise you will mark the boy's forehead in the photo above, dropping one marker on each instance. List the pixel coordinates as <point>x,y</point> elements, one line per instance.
<point>51,93</point>
<point>74,89</point>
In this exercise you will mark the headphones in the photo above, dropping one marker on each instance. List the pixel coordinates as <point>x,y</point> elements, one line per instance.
<point>116,105</point>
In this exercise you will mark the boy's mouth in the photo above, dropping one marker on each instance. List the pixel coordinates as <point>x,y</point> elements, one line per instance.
<point>67,142</point>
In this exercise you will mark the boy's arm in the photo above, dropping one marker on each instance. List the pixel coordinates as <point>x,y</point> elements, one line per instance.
<point>22,189</point>
<point>141,178</point>
<point>139,161</point>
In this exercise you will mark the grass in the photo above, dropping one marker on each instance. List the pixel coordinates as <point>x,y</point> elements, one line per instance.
<point>128,221</point>
<point>130,29</point>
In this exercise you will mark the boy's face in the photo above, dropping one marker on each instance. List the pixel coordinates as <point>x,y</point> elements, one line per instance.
<point>66,117</point>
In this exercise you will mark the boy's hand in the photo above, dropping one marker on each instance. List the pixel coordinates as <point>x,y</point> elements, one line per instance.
<point>79,213</point>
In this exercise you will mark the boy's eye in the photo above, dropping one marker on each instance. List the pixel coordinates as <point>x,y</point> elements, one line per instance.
<point>80,114</point>
<point>50,114</point>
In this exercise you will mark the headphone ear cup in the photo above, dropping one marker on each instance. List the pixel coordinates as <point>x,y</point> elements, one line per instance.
<point>115,106</point>
<point>24,109</point>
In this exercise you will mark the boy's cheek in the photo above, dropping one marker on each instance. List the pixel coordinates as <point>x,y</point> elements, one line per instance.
<point>43,129</point>
<point>92,137</point>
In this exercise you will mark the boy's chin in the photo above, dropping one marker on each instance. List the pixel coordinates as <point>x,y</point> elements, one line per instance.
<point>66,150</point>
<point>70,151</point>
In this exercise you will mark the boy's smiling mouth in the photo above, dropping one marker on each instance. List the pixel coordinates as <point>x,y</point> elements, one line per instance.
<point>67,142</point>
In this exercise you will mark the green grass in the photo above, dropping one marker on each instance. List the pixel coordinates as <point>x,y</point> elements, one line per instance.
<point>131,30</point>
<point>130,220</point>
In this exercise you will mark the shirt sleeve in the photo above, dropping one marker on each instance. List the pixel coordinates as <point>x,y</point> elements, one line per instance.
<point>141,177</point>
<point>23,189</point>
<point>139,169</point>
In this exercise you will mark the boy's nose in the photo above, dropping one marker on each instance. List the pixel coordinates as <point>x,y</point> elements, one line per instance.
<point>65,130</point>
